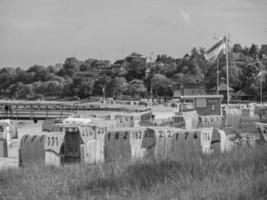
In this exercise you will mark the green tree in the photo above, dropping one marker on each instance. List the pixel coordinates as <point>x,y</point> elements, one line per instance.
<point>67,88</point>
<point>39,72</point>
<point>136,88</point>
<point>87,64</point>
<point>7,77</point>
<point>14,89</point>
<point>54,77</point>
<point>237,48</point>
<point>165,65</point>
<point>235,76</point>
<point>249,78</point>
<point>24,76</point>
<point>26,91</point>
<point>54,68</point>
<point>161,85</point>
<point>101,85</point>
<point>82,86</point>
<point>254,51</point>
<point>54,88</point>
<point>70,67</point>
<point>135,68</point>
<point>117,87</point>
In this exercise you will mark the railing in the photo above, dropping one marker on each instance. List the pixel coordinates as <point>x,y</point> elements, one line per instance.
<point>26,114</point>
<point>66,107</point>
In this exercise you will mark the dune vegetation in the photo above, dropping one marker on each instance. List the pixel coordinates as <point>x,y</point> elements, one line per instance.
<point>239,174</point>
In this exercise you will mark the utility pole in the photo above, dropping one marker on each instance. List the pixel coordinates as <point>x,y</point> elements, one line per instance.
<point>218,74</point>
<point>104,93</point>
<point>151,74</point>
<point>259,76</point>
<point>261,91</point>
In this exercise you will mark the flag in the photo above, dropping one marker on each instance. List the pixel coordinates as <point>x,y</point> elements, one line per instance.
<point>215,50</point>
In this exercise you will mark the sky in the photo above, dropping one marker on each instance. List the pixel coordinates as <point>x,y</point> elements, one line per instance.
<point>46,32</point>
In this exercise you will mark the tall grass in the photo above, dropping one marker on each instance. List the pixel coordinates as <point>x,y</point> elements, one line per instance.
<point>239,174</point>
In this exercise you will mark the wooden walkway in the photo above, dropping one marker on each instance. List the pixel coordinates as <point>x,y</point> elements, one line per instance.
<point>32,110</point>
<point>68,106</point>
<point>35,115</point>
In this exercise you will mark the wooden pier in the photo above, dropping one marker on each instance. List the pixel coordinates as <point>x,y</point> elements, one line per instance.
<point>23,114</point>
<point>34,110</point>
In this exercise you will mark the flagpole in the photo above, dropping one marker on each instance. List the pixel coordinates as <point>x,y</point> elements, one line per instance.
<point>217,75</point>
<point>227,70</point>
<point>261,90</point>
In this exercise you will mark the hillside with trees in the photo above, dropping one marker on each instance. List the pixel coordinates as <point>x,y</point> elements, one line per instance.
<point>134,76</point>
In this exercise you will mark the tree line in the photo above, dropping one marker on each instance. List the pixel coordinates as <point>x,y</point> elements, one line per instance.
<point>134,76</point>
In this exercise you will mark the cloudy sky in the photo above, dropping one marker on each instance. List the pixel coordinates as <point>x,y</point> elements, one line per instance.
<point>47,31</point>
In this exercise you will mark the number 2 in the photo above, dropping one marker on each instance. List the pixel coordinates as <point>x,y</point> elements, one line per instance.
<point>160,134</point>
<point>117,135</point>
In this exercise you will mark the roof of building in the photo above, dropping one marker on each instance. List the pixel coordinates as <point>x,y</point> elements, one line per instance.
<point>189,84</point>
<point>199,91</point>
<point>115,65</point>
<point>200,96</point>
<point>120,62</point>
<point>102,64</point>
<point>134,54</point>
<point>222,87</point>
<point>240,93</point>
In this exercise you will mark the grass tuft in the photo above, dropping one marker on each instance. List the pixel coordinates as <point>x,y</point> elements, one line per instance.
<point>239,174</point>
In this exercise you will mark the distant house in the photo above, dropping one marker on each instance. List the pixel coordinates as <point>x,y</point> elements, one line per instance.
<point>103,65</point>
<point>264,49</point>
<point>222,91</point>
<point>204,104</point>
<point>182,89</point>
<point>240,95</point>
<point>135,56</point>
<point>118,67</point>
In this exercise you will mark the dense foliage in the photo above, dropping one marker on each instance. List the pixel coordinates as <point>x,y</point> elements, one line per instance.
<point>134,76</point>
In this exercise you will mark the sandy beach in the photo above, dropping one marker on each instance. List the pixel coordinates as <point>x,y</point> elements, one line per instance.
<point>30,128</point>
<point>24,127</point>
